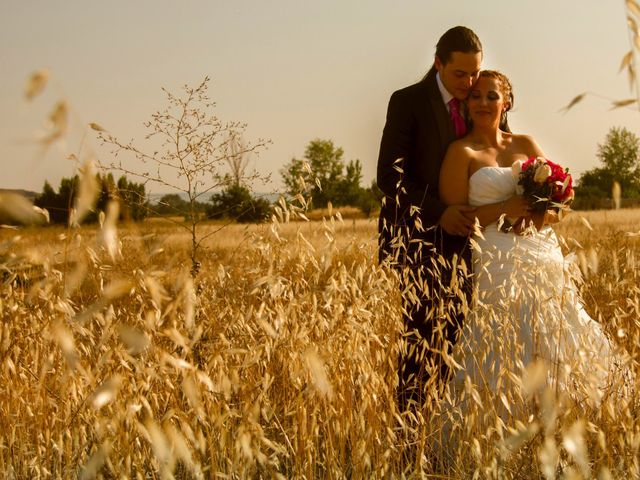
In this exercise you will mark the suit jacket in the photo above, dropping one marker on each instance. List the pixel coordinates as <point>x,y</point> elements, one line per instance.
<point>418,130</point>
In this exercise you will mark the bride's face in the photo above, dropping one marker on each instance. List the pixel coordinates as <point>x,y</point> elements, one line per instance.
<point>486,102</point>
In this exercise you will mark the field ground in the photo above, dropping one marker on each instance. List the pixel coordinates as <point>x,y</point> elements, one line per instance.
<point>278,361</point>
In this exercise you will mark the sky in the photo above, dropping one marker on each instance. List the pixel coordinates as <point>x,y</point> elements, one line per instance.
<point>297,70</point>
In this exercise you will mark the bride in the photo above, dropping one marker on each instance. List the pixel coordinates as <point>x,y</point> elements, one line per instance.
<point>527,315</point>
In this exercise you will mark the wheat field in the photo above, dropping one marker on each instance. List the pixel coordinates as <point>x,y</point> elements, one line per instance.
<point>277,361</point>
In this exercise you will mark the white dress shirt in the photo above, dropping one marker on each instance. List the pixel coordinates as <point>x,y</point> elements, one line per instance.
<point>446,96</point>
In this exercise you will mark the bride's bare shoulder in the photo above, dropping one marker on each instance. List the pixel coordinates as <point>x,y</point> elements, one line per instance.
<point>526,144</point>
<point>460,147</point>
<point>459,154</point>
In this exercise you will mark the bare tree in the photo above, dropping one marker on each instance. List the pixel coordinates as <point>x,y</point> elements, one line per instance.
<point>192,153</point>
<point>238,160</point>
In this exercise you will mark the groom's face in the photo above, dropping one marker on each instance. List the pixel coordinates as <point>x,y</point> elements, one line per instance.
<point>459,73</point>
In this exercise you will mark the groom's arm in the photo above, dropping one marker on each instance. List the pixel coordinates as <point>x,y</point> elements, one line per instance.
<point>396,145</point>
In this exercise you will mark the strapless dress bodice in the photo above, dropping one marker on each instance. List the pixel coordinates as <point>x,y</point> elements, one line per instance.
<point>491,184</point>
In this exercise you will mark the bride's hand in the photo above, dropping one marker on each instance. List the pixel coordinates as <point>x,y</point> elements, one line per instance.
<point>535,219</point>
<point>515,207</point>
<point>521,224</point>
<point>551,217</point>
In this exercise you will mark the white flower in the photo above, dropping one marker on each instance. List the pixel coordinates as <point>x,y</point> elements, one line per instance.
<point>542,173</point>
<point>516,168</point>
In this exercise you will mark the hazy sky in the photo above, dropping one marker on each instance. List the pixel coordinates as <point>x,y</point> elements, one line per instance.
<point>296,70</point>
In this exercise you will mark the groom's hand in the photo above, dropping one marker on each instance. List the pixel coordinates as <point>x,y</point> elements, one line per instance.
<point>458,220</point>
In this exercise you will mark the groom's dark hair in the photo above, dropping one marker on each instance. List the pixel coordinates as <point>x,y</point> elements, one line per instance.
<point>457,39</point>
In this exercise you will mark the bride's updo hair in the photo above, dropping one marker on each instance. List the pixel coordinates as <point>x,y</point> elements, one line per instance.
<point>507,92</point>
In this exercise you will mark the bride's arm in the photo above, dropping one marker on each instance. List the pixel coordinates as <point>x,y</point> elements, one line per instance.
<point>454,188</point>
<point>514,207</point>
<point>457,219</point>
<point>454,175</point>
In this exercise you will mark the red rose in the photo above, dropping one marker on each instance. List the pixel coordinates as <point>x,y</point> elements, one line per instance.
<point>559,182</point>
<point>530,161</point>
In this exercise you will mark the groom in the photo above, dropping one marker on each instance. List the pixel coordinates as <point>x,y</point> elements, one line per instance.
<point>422,120</point>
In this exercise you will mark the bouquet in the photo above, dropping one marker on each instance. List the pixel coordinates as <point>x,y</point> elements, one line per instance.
<point>545,184</point>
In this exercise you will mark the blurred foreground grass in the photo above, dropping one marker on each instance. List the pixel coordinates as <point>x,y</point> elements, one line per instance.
<point>278,361</point>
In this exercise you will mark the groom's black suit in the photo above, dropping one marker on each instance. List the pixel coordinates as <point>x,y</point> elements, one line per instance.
<point>418,130</point>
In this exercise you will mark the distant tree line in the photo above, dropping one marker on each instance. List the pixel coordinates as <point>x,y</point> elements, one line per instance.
<point>134,205</point>
<point>234,202</point>
<point>619,157</point>
<point>322,174</point>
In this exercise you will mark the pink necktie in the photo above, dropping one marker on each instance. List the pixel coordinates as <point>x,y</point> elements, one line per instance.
<point>458,121</point>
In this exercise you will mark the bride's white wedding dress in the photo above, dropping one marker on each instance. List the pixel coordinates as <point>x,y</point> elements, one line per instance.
<point>526,312</point>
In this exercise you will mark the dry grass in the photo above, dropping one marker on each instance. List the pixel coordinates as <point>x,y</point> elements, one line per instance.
<point>607,246</point>
<point>279,361</point>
